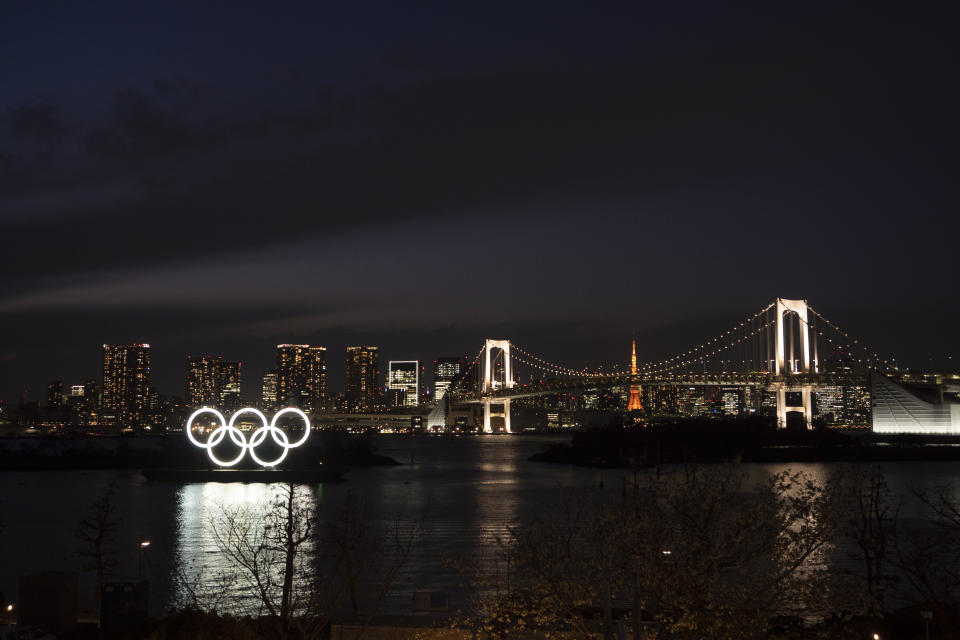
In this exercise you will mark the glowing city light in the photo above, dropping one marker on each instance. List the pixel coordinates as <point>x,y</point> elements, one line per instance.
<point>256,438</point>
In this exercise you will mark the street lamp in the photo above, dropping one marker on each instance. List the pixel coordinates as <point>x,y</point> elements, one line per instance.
<point>10,614</point>
<point>143,545</point>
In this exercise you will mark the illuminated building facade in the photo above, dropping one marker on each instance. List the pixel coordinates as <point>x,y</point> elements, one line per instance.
<point>897,410</point>
<point>126,384</point>
<point>446,373</point>
<point>201,381</point>
<point>634,404</point>
<point>404,375</point>
<point>55,394</point>
<point>268,396</point>
<point>228,385</point>
<point>363,371</point>
<point>91,402</point>
<point>210,382</point>
<point>301,376</point>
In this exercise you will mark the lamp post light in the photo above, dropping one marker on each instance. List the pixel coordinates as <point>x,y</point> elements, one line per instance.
<point>10,614</point>
<point>143,545</point>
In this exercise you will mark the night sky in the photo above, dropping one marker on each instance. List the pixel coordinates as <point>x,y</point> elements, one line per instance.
<point>221,177</point>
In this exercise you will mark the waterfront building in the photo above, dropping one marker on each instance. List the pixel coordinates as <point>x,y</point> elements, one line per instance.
<point>91,402</point>
<point>202,387</point>
<point>301,376</point>
<point>228,385</point>
<point>55,394</point>
<point>363,371</point>
<point>404,375</point>
<point>898,410</point>
<point>446,373</point>
<point>268,396</point>
<point>126,384</point>
<point>394,397</point>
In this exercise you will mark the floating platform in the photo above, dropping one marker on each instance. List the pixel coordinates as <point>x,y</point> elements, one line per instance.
<point>299,475</point>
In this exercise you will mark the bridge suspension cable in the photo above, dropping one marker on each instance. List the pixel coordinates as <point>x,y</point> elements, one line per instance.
<point>877,357</point>
<point>704,356</point>
<point>548,366</point>
<point>457,386</point>
<point>691,355</point>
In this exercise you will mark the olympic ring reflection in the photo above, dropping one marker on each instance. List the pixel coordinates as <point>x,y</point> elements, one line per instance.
<point>256,438</point>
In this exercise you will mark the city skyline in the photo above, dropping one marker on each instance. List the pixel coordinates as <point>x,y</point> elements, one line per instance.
<point>426,179</point>
<point>252,387</point>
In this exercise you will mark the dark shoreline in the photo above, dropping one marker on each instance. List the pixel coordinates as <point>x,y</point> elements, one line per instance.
<point>690,442</point>
<point>170,452</point>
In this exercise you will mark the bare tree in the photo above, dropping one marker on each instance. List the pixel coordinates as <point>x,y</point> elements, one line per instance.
<point>270,554</point>
<point>290,574</point>
<point>871,523</point>
<point>927,554</point>
<point>698,552</point>
<point>97,535</point>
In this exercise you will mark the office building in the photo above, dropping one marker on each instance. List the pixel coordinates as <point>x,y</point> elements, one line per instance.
<point>268,396</point>
<point>394,398</point>
<point>446,373</point>
<point>404,375</point>
<point>126,384</point>
<point>301,376</point>
<point>363,372</point>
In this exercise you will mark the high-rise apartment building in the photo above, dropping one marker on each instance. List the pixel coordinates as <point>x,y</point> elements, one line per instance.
<point>228,385</point>
<point>126,384</point>
<point>268,397</point>
<point>55,394</point>
<point>202,385</point>
<point>301,376</point>
<point>363,371</point>
<point>446,373</point>
<point>404,375</point>
<point>210,382</point>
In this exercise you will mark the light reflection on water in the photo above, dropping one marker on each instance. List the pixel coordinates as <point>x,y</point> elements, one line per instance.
<point>463,493</point>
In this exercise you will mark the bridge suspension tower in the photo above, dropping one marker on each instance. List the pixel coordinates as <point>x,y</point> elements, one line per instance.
<point>784,365</point>
<point>490,383</point>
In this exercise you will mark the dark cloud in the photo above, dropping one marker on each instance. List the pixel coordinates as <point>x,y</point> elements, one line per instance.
<point>142,130</point>
<point>767,152</point>
<point>37,121</point>
<point>814,102</point>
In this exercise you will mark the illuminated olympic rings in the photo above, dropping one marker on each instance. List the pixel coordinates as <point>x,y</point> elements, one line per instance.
<point>259,435</point>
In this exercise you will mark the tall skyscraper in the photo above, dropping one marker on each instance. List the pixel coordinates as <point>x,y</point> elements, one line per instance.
<point>91,402</point>
<point>202,381</point>
<point>446,373</point>
<point>301,376</point>
<point>268,397</point>
<point>363,371</point>
<point>126,384</point>
<point>55,394</point>
<point>634,404</point>
<point>228,385</point>
<point>404,375</point>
